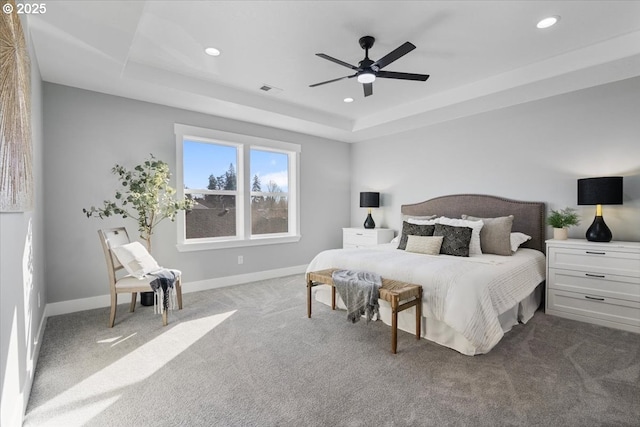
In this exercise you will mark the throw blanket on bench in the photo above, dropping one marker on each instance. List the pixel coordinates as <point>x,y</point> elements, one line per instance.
<point>360,292</point>
<point>164,289</point>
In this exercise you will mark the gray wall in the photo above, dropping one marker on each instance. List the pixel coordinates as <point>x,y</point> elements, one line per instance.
<point>22,290</point>
<point>534,151</point>
<point>87,133</point>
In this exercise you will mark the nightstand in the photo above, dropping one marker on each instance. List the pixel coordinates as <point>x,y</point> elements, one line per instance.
<point>594,282</point>
<point>361,237</point>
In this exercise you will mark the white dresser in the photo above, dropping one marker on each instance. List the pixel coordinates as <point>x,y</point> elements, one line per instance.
<point>594,282</point>
<point>361,237</point>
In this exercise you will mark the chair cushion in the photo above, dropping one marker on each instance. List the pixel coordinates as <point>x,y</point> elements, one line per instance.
<point>133,284</point>
<point>135,259</point>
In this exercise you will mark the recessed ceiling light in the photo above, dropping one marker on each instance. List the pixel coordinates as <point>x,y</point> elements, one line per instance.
<point>212,51</point>
<point>348,100</point>
<point>548,22</point>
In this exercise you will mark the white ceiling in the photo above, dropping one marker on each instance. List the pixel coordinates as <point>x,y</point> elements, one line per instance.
<point>481,55</point>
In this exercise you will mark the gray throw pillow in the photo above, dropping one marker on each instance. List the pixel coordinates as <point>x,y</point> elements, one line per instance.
<point>413,230</point>
<point>456,239</point>
<point>495,236</point>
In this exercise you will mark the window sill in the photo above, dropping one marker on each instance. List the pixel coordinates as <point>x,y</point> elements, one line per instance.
<point>226,244</point>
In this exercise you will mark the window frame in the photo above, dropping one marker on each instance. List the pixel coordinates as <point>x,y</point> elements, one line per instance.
<point>244,144</point>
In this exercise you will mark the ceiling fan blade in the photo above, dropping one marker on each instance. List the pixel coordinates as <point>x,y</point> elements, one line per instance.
<point>368,89</point>
<point>402,76</point>
<point>393,55</point>
<point>337,61</point>
<point>334,80</point>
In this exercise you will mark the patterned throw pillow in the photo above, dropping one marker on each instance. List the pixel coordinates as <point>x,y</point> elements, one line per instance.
<point>429,245</point>
<point>456,239</point>
<point>413,230</point>
<point>476,227</point>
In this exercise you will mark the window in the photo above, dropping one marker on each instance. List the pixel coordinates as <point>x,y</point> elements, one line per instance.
<point>245,189</point>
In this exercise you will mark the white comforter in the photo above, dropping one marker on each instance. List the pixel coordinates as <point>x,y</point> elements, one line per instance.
<point>467,294</point>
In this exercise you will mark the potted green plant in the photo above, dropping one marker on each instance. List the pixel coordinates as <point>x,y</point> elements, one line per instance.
<point>561,220</point>
<point>145,196</point>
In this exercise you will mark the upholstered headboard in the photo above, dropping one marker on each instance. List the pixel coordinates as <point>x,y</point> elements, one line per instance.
<point>528,217</point>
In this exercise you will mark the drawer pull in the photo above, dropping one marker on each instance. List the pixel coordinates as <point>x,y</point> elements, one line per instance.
<point>359,234</point>
<point>596,253</point>
<point>599,276</point>
<point>594,298</point>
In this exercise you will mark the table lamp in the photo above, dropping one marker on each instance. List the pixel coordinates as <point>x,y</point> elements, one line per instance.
<point>600,191</point>
<point>369,200</point>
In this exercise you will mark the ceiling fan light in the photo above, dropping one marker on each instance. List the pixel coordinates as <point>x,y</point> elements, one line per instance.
<point>366,77</point>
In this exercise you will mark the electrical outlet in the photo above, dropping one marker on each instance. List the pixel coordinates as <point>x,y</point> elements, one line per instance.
<point>240,259</point>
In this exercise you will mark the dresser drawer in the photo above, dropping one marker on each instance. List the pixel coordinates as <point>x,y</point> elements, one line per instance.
<point>605,285</point>
<point>594,306</point>
<point>357,237</point>
<point>595,260</point>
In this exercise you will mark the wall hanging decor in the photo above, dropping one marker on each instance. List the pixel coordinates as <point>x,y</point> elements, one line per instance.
<point>16,152</point>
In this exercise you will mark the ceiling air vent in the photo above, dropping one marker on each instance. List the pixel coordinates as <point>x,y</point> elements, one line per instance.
<point>270,89</point>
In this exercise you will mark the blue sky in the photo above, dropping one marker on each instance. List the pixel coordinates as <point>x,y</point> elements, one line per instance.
<point>202,160</point>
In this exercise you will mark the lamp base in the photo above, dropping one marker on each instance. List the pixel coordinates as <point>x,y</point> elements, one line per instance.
<point>369,223</point>
<point>598,231</point>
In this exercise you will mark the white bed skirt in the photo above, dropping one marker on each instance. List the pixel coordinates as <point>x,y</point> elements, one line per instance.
<point>437,331</point>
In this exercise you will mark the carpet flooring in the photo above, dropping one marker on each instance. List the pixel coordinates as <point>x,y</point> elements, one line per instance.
<point>248,356</point>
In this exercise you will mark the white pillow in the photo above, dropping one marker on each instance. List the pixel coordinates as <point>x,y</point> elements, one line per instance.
<point>429,245</point>
<point>135,259</point>
<point>409,218</point>
<point>476,226</point>
<point>517,239</point>
<point>417,221</point>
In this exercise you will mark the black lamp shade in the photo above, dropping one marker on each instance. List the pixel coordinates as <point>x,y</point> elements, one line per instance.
<point>600,191</point>
<point>369,200</point>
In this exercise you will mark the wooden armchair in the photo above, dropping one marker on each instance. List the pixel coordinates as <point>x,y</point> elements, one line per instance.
<point>118,283</point>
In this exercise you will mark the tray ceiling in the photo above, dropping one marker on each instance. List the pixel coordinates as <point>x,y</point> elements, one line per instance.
<point>481,55</point>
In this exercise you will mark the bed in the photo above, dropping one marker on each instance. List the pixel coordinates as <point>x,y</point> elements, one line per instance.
<point>468,302</point>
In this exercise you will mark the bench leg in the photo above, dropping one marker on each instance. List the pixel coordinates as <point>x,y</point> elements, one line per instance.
<point>394,324</point>
<point>309,284</point>
<point>333,297</point>
<point>419,314</point>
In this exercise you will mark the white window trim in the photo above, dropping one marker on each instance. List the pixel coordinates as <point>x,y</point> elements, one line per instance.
<point>244,237</point>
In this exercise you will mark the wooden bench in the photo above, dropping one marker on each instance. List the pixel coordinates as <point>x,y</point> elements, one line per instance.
<point>392,291</point>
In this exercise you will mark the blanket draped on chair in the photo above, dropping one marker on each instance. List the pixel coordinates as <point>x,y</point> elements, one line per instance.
<point>360,292</point>
<point>164,288</point>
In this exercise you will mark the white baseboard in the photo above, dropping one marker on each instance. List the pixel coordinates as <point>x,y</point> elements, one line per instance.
<point>221,282</point>
<point>37,345</point>
<point>71,306</point>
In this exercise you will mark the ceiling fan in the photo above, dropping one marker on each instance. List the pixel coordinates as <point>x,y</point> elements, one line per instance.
<point>367,70</point>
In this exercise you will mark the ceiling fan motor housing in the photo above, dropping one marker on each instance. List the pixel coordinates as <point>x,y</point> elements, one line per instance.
<point>366,42</point>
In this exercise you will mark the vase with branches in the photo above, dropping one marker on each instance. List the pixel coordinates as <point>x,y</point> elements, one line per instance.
<point>145,195</point>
